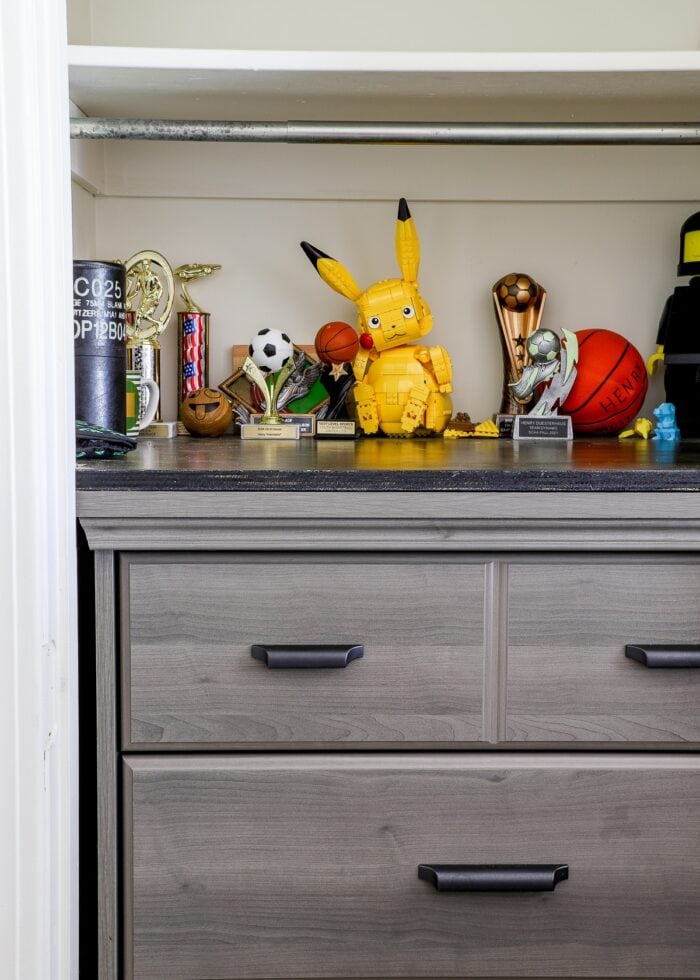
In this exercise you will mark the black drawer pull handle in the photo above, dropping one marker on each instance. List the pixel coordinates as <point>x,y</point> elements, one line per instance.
<point>303,655</point>
<point>664,654</point>
<point>494,877</point>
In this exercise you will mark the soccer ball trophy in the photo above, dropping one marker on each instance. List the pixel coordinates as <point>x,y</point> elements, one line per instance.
<point>519,302</point>
<point>553,364</point>
<point>269,364</point>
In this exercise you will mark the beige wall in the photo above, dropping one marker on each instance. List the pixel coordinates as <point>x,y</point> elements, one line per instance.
<point>604,265</point>
<point>79,21</point>
<point>441,25</point>
<point>84,232</point>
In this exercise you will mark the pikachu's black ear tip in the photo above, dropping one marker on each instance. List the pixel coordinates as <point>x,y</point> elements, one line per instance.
<point>312,253</point>
<point>404,213</point>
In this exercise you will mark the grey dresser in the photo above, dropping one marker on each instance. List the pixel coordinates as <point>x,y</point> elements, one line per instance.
<point>505,727</point>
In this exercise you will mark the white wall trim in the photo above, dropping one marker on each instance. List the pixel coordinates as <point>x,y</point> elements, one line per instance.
<point>38,648</point>
<point>87,159</point>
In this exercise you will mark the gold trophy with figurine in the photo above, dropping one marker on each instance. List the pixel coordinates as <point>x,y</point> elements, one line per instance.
<point>519,302</point>
<point>150,291</point>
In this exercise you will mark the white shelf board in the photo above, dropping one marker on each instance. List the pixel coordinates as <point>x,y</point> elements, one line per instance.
<point>207,84</point>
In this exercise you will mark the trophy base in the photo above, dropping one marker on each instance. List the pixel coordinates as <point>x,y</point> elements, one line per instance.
<point>305,423</point>
<point>268,431</point>
<point>336,429</point>
<point>160,430</point>
<point>543,427</point>
<point>505,423</point>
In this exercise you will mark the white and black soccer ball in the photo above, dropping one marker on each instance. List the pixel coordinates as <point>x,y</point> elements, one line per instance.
<point>543,346</point>
<point>270,349</point>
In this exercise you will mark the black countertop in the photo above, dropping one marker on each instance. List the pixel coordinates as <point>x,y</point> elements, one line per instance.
<point>389,465</point>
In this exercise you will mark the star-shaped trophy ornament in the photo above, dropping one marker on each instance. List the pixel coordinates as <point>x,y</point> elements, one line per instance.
<point>337,345</point>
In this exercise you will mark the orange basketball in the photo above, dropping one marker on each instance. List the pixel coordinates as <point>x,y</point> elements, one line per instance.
<point>611,382</point>
<point>336,343</point>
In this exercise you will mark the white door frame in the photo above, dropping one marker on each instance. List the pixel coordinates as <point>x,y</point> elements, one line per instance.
<point>38,634</point>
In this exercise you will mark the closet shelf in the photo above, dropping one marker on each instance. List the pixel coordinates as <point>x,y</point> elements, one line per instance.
<point>203,84</point>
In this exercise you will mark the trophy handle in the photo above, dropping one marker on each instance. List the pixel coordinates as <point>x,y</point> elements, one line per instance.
<point>254,374</point>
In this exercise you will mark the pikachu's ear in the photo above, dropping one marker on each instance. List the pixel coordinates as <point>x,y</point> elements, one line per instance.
<point>407,244</point>
<point>332,272</point>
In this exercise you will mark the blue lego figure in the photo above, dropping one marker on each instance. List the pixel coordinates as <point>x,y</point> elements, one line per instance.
<point>666,428</point>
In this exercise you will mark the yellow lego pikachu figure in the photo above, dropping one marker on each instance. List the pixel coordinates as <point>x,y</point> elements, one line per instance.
<point>401,388</point>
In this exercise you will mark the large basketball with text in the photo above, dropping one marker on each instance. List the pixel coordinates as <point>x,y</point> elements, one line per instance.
<point>610,386</point>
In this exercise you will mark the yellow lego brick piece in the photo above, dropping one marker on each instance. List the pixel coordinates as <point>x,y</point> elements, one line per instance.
<point>486,430</point>
<point>641,428</point>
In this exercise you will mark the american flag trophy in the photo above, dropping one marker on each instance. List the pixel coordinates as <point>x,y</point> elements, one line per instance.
<point>193,326</point>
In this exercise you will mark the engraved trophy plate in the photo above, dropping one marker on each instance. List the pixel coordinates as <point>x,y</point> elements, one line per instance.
<point>305,423</point>
<point>336,429</point>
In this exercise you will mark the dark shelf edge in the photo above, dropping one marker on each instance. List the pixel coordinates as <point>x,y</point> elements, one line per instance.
<point>360,481</point>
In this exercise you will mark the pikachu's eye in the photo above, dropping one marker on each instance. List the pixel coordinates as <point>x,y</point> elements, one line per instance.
<point>374,322</point>
<point>408,311</point>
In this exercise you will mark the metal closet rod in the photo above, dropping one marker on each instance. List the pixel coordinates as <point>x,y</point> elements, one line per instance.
<point>549,133</point>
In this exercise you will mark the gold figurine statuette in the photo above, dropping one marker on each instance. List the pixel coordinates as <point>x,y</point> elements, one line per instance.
<point>189,273</point>
<point>150,291</point>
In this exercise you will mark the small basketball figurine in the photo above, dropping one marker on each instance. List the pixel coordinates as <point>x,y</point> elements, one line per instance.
<point>337,343</point>
<point>206,412</point>
<point>610,385</point>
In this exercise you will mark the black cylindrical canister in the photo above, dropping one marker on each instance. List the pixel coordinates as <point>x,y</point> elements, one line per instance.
<point>99,330</point>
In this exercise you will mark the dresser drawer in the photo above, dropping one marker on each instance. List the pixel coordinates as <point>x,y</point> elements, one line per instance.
<point>568,625</point>
<point>307,865</point>
<point>189,623</point>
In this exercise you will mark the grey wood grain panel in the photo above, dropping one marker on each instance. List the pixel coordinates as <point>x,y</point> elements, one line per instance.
<point>107,762</point>
<point>568,678</point>
<point>306,866</point>
<point>495,647</point>
<point>366,534</point>
<point>392,521</point>
<point>398,506</point>
<point>189,677</point>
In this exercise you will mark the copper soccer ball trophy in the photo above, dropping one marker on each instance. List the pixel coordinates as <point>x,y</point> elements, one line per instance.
<point>519,302</point>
